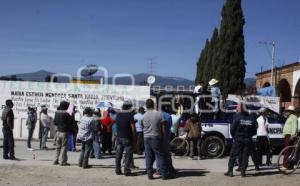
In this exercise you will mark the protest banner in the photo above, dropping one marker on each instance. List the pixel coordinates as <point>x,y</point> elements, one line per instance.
<point>26,94</point>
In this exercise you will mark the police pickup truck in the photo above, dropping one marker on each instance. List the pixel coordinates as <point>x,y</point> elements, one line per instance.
<point>217,139</point>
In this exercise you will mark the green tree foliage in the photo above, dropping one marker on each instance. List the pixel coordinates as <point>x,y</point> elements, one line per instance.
<point>201,64</point>
<point>211,61</point>
<point>223,55</point>
<point>206,66</point>
<point>231,59</point>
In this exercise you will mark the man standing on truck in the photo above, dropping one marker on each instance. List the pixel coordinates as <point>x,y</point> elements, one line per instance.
<point>215,96</point>
<point>242,129</point>
<point>198,92</point>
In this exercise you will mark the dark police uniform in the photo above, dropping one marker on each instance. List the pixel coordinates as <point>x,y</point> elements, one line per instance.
<point>242,129</point>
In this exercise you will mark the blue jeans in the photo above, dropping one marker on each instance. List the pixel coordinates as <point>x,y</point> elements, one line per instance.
<point>127,145</point>
<point>30,134</point>
<point>96,147</point>
<point>71,145</point>
<point>154,151</point>
<point>86,147</point>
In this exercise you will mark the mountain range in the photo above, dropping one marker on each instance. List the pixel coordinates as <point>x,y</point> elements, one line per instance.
<point>139,79</point>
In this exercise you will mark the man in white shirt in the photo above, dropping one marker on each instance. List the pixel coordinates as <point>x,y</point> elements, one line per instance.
<point>197,91</point>
<point>262,140</point>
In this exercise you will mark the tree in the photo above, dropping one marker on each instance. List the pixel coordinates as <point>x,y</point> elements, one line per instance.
<point>212,54</point>
<point>207,61</point>
<point>200,75</point>
<point>223,55</point>
<point>231,60</point>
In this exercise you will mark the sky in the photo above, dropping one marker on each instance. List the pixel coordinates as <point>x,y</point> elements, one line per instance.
<point>122,35</point>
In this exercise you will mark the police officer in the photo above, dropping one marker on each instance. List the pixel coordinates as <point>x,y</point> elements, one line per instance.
<point>8,126</point>
<point>242,130</point>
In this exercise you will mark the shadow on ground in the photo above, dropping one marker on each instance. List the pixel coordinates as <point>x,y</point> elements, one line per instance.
<point>139,157</point>
<point>182,173</point>
<point>104,166</point>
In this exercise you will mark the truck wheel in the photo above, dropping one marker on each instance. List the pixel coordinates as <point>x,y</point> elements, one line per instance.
<point>213,147</point>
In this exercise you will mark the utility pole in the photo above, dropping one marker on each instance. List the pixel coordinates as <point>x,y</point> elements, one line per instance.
<point>272,56</point>
<point>273,63</point>
<point>151,65</point>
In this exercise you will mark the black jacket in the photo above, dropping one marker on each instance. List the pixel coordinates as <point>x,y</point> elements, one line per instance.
<point>63,121</point>
<point>244,126</point>
<point>8,114</point>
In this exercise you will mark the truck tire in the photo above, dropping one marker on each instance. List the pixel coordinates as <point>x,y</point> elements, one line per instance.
<point>213,147</point>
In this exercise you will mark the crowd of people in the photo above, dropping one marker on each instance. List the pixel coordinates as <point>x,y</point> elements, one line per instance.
<point>245,126</point>
<point>101,132</point>
<point>143,131</point>
<point>135,132</point>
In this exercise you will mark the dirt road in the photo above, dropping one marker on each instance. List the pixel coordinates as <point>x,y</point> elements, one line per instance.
<point>40,171</point>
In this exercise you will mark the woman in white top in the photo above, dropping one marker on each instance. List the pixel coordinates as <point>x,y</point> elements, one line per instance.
<point>262,140</point>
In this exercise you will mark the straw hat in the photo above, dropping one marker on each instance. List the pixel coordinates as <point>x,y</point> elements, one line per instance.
<point>291,108</point>
<point>213,82</point>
